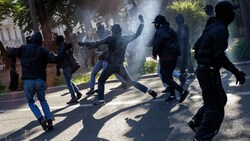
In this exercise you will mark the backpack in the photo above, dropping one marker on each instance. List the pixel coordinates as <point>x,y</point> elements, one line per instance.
<point>14,76</point>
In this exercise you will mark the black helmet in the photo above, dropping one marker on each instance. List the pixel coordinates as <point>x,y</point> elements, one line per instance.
<point>224,11</point>
<point>116,29</point>
<point>160,20</point>
<point>59,39</point>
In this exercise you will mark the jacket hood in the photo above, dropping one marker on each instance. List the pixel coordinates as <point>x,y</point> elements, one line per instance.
<point>37,38</point>
<point>214,21</point>
<point>179,19</point>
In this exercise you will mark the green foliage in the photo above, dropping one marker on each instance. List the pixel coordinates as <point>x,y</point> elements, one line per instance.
<point>194,15</point>
<point>239,50</point>
<point>3,89</point>
<point>21,15</point>
<point>82,78</point>
<point>5,8</point>
<point>150,67</point>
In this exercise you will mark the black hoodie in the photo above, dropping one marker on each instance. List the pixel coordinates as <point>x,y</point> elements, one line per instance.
<point>34,58</point>
<point>210,47</point>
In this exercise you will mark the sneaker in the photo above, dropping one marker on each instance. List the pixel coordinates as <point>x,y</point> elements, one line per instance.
<point>96,91</point>
<point>152,93</point>
<point>183,96</point>
<point>50,125</point>
<point>43,123</point>
<point>166,90</point>
<point>193,126</point>
<point>99,102</point>
<point>170,98</point>
<point>78,95</point>
<point>90,92</point>
<point>72,101</point>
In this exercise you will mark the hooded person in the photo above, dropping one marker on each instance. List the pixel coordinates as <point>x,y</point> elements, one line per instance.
<point>69,65</point>
<point>210,55</point>
<point>34,59</point>
<point>166,47</point>
<point>184,62</point>
<point>117,45</point>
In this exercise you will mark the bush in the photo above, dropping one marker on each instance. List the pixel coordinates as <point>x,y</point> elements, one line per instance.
<point>239,50</point>
<point>3,89</point>
<point>193,13</point>
<point>150,67</point>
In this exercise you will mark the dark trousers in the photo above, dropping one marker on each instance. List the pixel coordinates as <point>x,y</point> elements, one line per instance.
<point>211,114</point>
<point>119,69</point>
<point>167,69</point>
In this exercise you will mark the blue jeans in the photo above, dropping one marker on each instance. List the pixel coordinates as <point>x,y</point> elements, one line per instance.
<point>38,87</point>
<point>101,65</point>
<point>119,69</point>
<point>71,86</point>
<point>175,74</point>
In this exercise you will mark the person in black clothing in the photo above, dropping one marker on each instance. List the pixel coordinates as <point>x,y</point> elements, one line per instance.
<point>184,62</point>
<point>67,65</point>
<point>117,45</point>
<point>210,55</point>
<point>166,47</point>
<point>102,54</point>
<point>34,60</point>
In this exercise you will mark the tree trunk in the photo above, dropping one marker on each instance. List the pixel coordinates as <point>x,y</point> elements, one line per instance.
<point>7,60</point>
<point>47,35</point>
<point>33,16</point>
<point>87,20</point>
<point>245,18</point>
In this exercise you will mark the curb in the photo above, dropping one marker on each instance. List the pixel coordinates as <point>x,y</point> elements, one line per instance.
<point>242,63</point>
<point>112,80</point>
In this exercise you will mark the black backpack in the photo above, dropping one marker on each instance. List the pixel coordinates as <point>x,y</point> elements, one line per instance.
<point>14,76</point>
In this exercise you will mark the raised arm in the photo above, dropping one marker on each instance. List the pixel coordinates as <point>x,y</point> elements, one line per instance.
<point>138,32</point>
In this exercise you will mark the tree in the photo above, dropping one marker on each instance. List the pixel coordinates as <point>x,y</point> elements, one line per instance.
<point>193,13</point>
<point>5,8</point>
<point>33,16</point>
<point>4,53</point>
<point>244,11</point>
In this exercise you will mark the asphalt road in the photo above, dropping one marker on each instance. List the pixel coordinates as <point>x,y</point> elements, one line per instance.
<point>129,115</point>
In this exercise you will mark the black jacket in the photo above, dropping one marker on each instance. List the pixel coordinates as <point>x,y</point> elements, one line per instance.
<point>165,43</point>
<point>117,46</point>
<point>34,58</point>
<point>67,59</point>
<point>210,47</point>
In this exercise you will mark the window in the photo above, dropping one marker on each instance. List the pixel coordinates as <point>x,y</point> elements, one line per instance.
<point>15,32</point>
<point>1,35</point>
<point>8,32</point>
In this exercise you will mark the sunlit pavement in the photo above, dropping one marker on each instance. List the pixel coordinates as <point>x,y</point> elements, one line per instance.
<point>128,115</point>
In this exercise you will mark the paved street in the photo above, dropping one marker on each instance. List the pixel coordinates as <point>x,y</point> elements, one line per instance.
<point>129,115</point>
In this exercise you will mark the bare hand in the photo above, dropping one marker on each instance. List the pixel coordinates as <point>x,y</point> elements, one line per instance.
<point>141,18</point>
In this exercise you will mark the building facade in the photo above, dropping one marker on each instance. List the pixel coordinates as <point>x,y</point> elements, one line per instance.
<point>10,34</point>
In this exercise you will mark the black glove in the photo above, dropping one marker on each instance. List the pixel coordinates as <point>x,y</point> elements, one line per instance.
<point>81,43</point>
<point>240,77</point>
<point>68,46</point>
